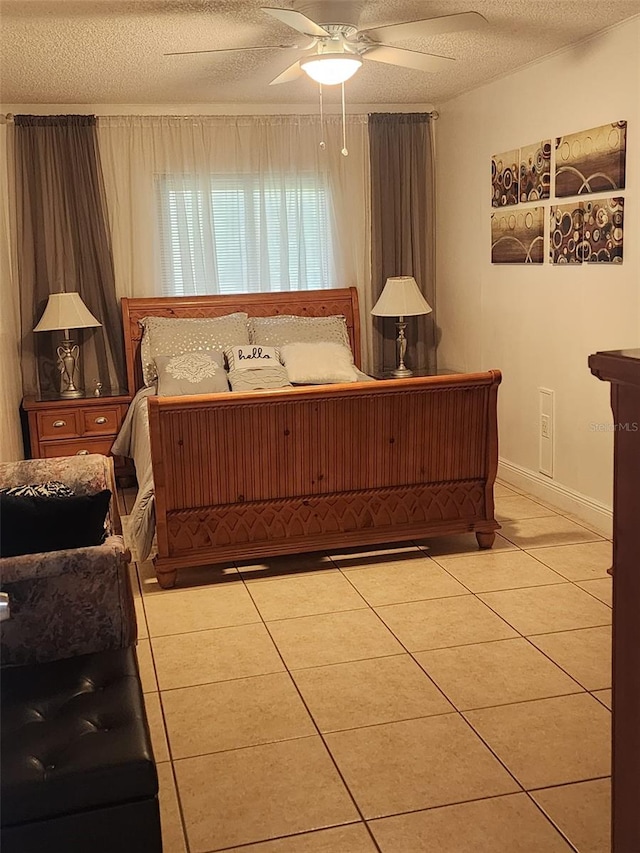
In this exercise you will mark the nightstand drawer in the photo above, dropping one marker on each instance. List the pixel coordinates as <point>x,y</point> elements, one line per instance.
<point>80,447</point>
<point>101,421</point>
<point>57,424</point>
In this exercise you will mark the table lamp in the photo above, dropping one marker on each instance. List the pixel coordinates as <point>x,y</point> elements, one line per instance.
<point>401,298</point>
<point>67,311</point>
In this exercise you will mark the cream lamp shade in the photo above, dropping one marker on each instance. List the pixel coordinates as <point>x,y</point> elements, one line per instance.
<point>66,311</point>
<point>401,298</point>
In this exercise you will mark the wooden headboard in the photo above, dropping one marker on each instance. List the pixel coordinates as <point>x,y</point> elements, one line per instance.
<point>304,303</point>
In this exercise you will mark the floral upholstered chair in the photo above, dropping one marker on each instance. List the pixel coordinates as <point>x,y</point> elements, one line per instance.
<point>68,602</point>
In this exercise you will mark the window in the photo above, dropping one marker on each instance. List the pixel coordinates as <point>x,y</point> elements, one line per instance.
<point>244,233</point>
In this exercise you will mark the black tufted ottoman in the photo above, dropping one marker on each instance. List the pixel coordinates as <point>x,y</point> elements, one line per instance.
<point>77,767</point>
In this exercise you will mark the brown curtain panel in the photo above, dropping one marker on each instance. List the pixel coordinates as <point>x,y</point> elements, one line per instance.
<point>403,229</point>
<point>63,244</point>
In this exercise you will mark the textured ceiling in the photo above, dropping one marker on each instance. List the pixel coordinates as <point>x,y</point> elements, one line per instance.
<point>111,51</point>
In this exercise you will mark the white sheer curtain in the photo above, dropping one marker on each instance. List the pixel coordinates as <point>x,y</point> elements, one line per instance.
<point>220,203</point>
<point>10,376</point>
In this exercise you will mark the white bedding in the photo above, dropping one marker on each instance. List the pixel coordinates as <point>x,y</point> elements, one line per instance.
<point>133,441</point>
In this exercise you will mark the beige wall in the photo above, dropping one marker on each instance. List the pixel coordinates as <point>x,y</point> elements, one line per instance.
<point>540,323</point>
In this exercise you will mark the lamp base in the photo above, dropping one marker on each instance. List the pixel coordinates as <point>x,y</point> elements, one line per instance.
<point>68,356</point>
<point>401,372</point>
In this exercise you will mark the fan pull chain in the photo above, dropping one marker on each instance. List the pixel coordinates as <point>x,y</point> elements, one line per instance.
<point>323,144</point>
<point>344,151</point>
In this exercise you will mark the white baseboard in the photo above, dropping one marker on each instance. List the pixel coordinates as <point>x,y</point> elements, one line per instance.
<point>591,513</point>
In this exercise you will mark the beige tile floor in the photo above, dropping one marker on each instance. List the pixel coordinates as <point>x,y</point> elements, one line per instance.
<point>416,697</point>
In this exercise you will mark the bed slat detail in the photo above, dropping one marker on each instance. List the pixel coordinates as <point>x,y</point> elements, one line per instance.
<point>265,450</point>
<point>291,525</point>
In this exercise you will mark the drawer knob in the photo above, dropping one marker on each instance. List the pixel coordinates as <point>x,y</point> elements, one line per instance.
<point>58,424</point>
<point>82,453</point>
<point>101,420</point>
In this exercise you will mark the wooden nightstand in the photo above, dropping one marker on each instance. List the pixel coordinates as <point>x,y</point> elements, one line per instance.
<point>79,426</point>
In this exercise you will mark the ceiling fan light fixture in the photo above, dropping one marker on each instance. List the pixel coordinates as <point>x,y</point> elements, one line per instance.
<point>329,69</point>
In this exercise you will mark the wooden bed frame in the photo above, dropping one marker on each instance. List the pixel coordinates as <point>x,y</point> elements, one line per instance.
<point>244,475</point>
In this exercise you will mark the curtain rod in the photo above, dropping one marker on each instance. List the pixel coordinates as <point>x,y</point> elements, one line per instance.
<point>8,117</point>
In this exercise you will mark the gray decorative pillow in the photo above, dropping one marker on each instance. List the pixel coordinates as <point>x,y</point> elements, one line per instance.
<point>290,329</point>
<point>191,373</point>
<point>180,335</point>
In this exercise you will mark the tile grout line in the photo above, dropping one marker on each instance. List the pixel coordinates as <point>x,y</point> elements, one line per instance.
<point>288,837</point>
<point>183,823</point>
<point>541,633</point>
<point>598,699</point>
<point>546,633</point>
<point>532,553</point>
<point>263,674</point>
<point>573,677</point>
<point>558,511</point>
<point>569,630</point>
<point>528,791</point>
<point>568,784</point>
<point>315,725</point>
<point>550,820</point>
<point>606,603</point>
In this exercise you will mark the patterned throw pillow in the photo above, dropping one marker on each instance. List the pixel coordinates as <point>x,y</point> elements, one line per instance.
<point>191,373</point>
<point>50,489</point>
<point>289,329</point>
<point>255,368</point>
<point>178,336</point>
<point>252,357</point>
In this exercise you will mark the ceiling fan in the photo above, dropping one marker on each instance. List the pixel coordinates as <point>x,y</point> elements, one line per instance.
<point>337,47</point>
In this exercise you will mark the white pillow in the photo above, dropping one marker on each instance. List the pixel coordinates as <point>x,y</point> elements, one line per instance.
<point>318,363</point>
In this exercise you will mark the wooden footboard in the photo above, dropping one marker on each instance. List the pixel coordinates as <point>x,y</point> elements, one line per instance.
<point>266,473</point>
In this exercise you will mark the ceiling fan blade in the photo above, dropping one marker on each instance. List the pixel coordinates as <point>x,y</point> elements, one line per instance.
<point>408,58</point>
<point>291,73</point>
<point>231,49</point>
<point>297,21</point>
<point>428,27</point>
